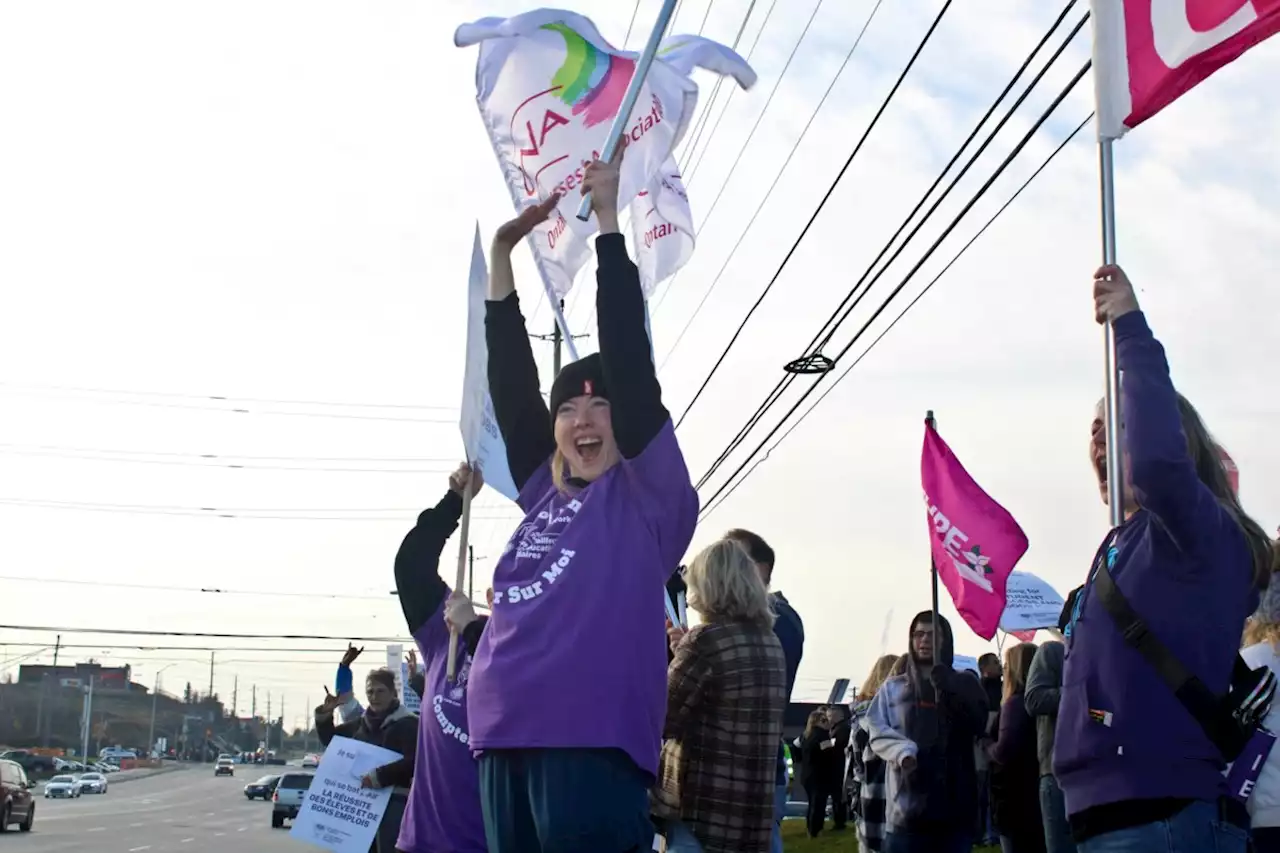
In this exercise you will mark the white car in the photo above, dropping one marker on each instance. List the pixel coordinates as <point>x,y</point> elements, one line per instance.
<point>310,762</point>
<point>61,786</point>
<point>93,783</point>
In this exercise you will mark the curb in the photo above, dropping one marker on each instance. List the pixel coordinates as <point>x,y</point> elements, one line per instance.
<point>158,771</point>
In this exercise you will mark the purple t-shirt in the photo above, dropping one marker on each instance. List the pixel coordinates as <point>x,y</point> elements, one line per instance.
<point>575,653</point>
<point>443,814</point>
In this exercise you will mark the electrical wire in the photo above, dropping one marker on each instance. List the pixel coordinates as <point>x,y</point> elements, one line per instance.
<point>825,198</point>
<point>219,398</point>
<point>211,461</point>
<point>785,383</point>
<point>201,590</point>
<point>275,514</point>
<point>634,11</point>
<point>910,274</point>
<point>228,456</point>
<point>768,193</point>
<point>202,634</point>
<point>963,249</point>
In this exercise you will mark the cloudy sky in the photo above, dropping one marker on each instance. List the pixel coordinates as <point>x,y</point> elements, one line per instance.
<point>274,203</point>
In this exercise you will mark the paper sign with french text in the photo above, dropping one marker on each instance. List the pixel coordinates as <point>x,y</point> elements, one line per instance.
<point>337,814</point>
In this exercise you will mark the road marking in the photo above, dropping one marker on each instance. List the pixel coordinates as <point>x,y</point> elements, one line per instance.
<point>97,829</point>
<point>134,825</point>
<point>215,835</point>
<point>242,829</point>
<point>139,849</point>
<point>168,820</point>
<point>210,814</point>
<point>186,841</point>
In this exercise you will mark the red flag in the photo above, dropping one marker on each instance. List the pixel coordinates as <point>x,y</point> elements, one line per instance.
<point>1149,53</point>
<point>976,543</point>
<point>1023,636</point>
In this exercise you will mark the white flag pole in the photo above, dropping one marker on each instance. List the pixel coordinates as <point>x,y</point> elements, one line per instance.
<point>465,528</point>
<point>1115,453</point>
<point>623,118</point>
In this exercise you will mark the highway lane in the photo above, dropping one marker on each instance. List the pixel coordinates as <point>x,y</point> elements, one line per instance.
<point>185,811</point>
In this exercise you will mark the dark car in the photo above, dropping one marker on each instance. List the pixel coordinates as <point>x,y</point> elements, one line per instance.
<point>264,788</point>
<point>16,803</point>
<point>33,765</point>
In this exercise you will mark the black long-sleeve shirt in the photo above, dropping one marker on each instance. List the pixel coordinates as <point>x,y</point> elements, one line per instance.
<point>635,397</point>
<point>418,583</point>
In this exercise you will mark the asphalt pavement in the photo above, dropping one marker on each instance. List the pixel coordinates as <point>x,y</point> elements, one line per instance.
<point>184,811</point>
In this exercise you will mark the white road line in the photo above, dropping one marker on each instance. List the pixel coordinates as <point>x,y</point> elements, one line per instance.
<point>242,829</point>
<point>218,834</point>
<point>186,841</point>
<point>139,849</point>
<point>168,820</point>
<point>210,814</point>
<point>97,829</point>
<point>134,825</point>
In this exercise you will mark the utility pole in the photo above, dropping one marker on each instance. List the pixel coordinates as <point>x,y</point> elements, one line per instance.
<point>88,720</point>
<point>235,695</point>
<point>253,709</point>
<point>557,341</point>
<point>282,724</point>
<point>306,733</point>
<point>211,675</point>
<point>41,728</point>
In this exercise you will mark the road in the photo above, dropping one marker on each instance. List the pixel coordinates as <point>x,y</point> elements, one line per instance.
<point>185,811</point>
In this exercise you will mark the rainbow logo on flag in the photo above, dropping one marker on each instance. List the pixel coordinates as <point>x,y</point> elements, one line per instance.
<point>591,81</point>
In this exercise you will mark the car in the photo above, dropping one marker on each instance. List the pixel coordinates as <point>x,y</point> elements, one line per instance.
<point>264,788</point>
<point>16,803</point>
<point>310,761</point>
<point>61,786</point>
<point>224,767</point>
<point>93,783</point>
<point>286,802</point>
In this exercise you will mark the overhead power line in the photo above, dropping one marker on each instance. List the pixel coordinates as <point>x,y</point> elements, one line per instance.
<point>963,249</point>
<point>201,460</point>
<point>199,590</point>
<point>47,629</point>
<point>710,502</point>
<point>220,398</point>
<point>835,320</point>
<point>272,514</point>
<point>822,203</point>
<point>777,178</point>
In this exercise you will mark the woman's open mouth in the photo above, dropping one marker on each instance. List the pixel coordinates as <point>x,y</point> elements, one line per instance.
<point>589,448</point>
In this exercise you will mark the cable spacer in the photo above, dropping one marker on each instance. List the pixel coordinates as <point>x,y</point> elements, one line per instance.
<point>810,365</point>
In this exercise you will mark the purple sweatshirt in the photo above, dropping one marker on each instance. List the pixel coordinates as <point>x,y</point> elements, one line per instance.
<point>1185,566</point>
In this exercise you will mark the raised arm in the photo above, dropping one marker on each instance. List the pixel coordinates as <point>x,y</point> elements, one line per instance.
<point>1164,478</point>
<point>522,415</point>
<point>625,353</point>
<point>418,583</point>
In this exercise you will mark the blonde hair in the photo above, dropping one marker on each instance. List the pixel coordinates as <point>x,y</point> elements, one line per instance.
<point>900,666</point>
<point>1257,631</point>
<point>879,672</point>
<point>724,586</point>
<point>559,467</point>
<point>1017,665</point>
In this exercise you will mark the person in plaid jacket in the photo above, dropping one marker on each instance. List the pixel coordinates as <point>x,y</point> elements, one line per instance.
<point>726,693</point>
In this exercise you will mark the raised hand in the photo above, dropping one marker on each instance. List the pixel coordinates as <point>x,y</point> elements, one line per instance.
<point>513,231</point>
<point>349,657</point>
<point>458,480</point>
<point>601,180</point>
<point>1113,295</point>
<point>459,612</point>
<point>330,703</point>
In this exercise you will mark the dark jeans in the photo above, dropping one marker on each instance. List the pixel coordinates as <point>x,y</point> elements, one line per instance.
<point>816,814</point>
<point>903,841</point>
<point>564,801</point>
<point>1053,811</point>
<point>389,829</point>
<point>1196,829</point>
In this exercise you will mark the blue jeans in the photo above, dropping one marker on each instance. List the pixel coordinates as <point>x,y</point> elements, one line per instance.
<point>897,840</point>
<point>680,839</point>
<point>1053,811</point>
<point>1196,829</point>
<point>779,812</point>
<point>564,801</point>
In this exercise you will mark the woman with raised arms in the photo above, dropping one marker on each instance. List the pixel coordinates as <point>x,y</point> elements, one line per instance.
<point>568,687</point>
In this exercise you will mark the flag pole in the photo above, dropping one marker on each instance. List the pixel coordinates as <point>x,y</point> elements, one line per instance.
<point>623,117</point>
<point>465,529</point>
<point>1115,464</point>
<point>933,567</point>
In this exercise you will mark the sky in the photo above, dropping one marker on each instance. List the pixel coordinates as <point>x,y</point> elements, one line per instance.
<point>274,203</point>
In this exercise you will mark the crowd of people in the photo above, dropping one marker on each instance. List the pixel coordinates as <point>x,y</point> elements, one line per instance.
<point>580,719</point>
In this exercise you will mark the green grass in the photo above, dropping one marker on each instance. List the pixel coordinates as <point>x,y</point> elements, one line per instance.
<point>796,840</point>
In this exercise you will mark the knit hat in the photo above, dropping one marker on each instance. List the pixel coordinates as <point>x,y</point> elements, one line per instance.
<point>577,378</point>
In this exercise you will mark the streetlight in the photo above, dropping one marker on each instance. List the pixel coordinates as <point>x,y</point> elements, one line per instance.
<point>151,737</point>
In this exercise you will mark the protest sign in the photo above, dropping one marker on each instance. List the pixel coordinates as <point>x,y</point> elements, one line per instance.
<point>337,813</point>
<point>400,668</point>
<point>963,662</point>
<point>1030,604</point>
<point>480,436</point>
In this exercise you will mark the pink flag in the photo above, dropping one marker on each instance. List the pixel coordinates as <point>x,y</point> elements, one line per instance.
<point>1023,636</point>
<point>976,543</point>
<point>1149,53</point>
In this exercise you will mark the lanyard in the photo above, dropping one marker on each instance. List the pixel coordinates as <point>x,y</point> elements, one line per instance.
<point>1108,551</point>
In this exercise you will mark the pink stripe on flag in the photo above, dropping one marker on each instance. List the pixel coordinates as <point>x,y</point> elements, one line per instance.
<point>975,541</point>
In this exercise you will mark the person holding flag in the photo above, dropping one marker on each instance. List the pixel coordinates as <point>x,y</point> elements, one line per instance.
<point>1136,765</point>
<point>568,737</point>
<point>443,810</point>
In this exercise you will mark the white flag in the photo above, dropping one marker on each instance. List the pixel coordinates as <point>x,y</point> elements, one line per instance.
<point>480,436</point>
<point>549,86</point>
<point>662,228</point>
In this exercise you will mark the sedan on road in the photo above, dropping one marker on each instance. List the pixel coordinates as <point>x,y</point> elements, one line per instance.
<point>264,788</point>
<point>61,786</point>
<point>93,783</point>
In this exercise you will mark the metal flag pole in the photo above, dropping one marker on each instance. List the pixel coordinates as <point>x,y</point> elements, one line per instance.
<point>933,568</point>
<point>451,669</point>
<point>623,117</point>
<point>1115,453</point>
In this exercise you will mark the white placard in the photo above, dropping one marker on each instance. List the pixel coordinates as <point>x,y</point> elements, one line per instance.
<point>480,436</point>
<point>337,813</point>
<point>400,668</point>
<point>962,662</point>
<point>1030,603</point>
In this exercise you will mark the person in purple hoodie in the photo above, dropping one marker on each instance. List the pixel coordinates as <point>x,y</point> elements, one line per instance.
<point>443,811</point>
<point>568,689</point>
<point>1138,772</point>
